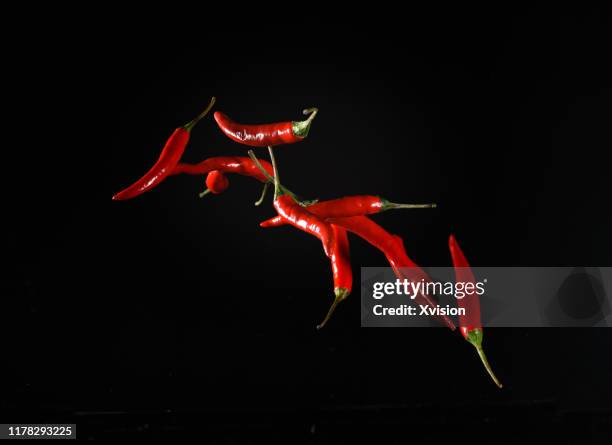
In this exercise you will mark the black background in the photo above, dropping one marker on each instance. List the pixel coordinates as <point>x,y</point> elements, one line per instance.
<point>170,315</point>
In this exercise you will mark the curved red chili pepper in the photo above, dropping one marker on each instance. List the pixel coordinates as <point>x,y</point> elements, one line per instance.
<point>302,219</point>
<point>241,165</point>
<point>266,134</point>
<point>391,245</point>
<point>334,238</point>
<point>341,268</point>
<point>393,248</point>
<point>350,206</point>
<point>470,324</point>
<point>168,159</point>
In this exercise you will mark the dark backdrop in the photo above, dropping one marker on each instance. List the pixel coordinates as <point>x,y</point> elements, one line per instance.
<point>169,313</point>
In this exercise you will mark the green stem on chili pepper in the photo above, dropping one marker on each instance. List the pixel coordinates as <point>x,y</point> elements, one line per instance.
<point>277,191</point>
<point>301,128</point>
<point>303,203</point>
<point>341,295</point>
<point>470,323</point>
<point>348,206</point>
<point>188,126</point>
<point>263,194</point>
<point>204,193</point>
<point>388,205</point>
<point>474,336</point>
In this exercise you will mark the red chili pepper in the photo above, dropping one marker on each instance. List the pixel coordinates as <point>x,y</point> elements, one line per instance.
<point>470,324</point>
<point>350,206</point>
<point>240,165</point>
<point>292,212</point>
<point>334,238</point>
<point>266,134</point>
<point>391,245</point>
<point>216,182</point>
<point>341,269</point>
<point>233,164</point>
<point>393,248</point>
<point>168,159</point>
<point>302,219</point>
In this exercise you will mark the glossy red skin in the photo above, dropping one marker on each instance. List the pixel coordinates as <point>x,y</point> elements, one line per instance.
<point>341,260</point>
<point>393,248</point>
<point>257,135</point>
<point>471,303</point>
<point>168,159</point>
<point>338,208</point>
<point>217,182</point>
<point>299,217</point>
<point>241,165</point>
<point>465,330</point>
<point>391,245</point>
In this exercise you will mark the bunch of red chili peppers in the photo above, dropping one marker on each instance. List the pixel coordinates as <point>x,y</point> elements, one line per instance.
<point>329,221</point>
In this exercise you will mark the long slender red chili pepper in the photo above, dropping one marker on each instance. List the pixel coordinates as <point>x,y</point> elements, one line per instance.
<point>341,269</point>
<point>216,182</point>
<point>350,206</point>
<point>265,135</point>
<point>391,245</point>
<point>470,324</point>
<point>168,159</point>
<point>393,248</point>
<point>241,165</point>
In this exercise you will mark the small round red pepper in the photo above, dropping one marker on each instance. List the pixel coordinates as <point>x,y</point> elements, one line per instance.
<point>216,182</point>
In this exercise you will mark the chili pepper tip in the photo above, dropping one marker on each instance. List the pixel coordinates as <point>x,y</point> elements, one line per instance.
<point>277,189</point>
<point>393,205</point>
<point>268,176</point>
<point>282,188</point>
